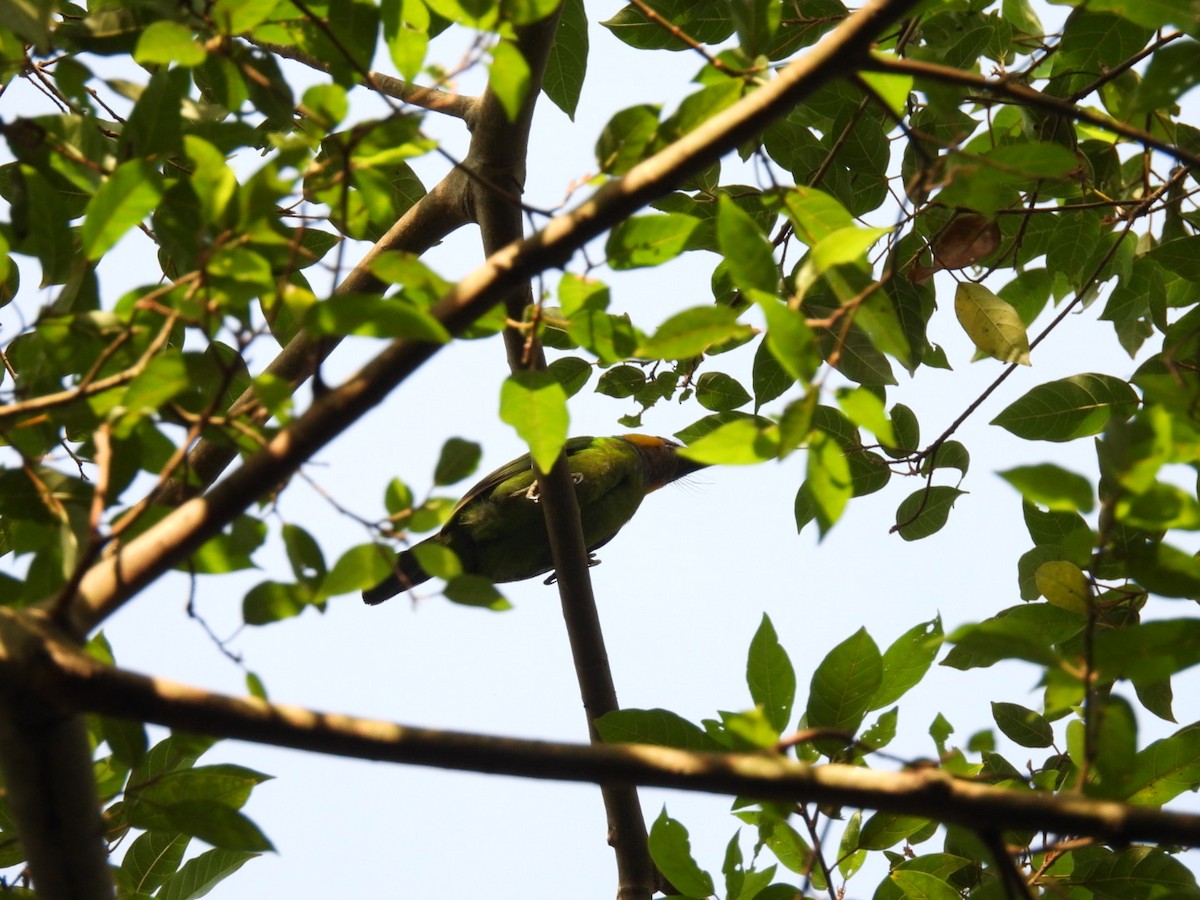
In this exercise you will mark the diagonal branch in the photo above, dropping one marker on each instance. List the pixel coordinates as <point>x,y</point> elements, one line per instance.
<point>1010,91</point>
<point>115,579</point>
<point>437,214</point>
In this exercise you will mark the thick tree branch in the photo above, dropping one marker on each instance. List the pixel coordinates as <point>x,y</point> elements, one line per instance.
<point>74,680</point>
<point>48,782</point>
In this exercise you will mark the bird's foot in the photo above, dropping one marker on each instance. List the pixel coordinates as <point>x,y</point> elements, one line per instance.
<point>553,576</point>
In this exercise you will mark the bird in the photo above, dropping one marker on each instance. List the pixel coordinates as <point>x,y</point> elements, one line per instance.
<point>497,530</point>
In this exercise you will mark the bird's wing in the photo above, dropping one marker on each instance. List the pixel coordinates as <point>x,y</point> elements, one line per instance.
<point>519,466</point>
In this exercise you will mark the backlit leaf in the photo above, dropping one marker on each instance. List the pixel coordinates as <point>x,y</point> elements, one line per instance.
<point>993,326</point>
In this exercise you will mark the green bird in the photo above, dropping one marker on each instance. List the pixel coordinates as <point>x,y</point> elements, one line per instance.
<point>498,530</point>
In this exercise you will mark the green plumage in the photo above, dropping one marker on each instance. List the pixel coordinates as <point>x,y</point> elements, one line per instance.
<point>498,529</point>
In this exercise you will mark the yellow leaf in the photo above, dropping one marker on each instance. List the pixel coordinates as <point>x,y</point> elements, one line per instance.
<point>1064,585</point>
<point>991,324</point>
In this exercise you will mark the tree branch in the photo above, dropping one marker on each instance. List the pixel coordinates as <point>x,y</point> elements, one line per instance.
<point>113,580</point>
<point>74,680</point>
<point>1010,91</point>
<point>437,214</point>
<point>47,763</point>
<point>433,99</point>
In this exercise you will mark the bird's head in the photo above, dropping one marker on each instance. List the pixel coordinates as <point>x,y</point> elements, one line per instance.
<point>661,462</point>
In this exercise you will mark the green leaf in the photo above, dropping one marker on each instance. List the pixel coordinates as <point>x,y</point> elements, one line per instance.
<point>648,240</point>
<point>304,554</point>
<point>770,676</point>
<point>921,884</point>
<point>1064,584</point>
<point>625,140</point>
<point>706,21</point>
<point>152,859</point>
<point>576,293</point>
<point>125,198</point>
<point>535,404</point>
<point>886,829</point>
<point>1165,769</point>
<point>166,42</point>
<point>993,326</point>
<point>691,332</point>
<point>357,569</point>
<point>457,460</point>
<point>842,247</point>
<point>1023,726</point>
<point>1051,486</point>
<point>231,550</point>
<point>1165,570</point>
<point>850,857</point>
<point>882,731</point>
<point>567,62</point>
<point>164,378</point>
<point>790,340</point>
<point>925,512</point>
<point>814,214</point>
<point>907,429</point>
<point>611,338</point>
<point>743,441</point>
<point>239,16</point>
<point>844,684</point>
<point>769,378</point>
<point>1030,632</point>
<point>224,783</point>
<point>671,851</point>
<point>475,590</point>
<point>1157,697</point>
<point>571,372</point>
<point>950,455</point>
<point>509,77</point>
<point>720,392</point>
<point>1139,870</point>
<point>217,824</point>
<point>406,33</point>
<point>374,316</point>
<point>654,726</point>
<point>1152,13</point>
<point>748,254</point>
<point>865,409</point>
<point>1066,531</point>
<point>1069,408</point>
<point>200,875</point>
<point>756,22</point>
<point>830,485</point>
<point>907,660</point>
<point>1148,652</point>
<point>126,738</point>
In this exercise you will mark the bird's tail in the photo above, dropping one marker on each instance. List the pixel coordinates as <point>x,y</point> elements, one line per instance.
<point>406,573</point>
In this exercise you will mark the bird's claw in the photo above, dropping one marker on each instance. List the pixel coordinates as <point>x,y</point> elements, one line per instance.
<point>553,576</point>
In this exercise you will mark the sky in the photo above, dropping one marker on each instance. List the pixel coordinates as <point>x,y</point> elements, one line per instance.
<point>681,590</point>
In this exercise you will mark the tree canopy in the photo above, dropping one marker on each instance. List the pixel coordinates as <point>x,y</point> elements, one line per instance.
<point>270,180</point>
